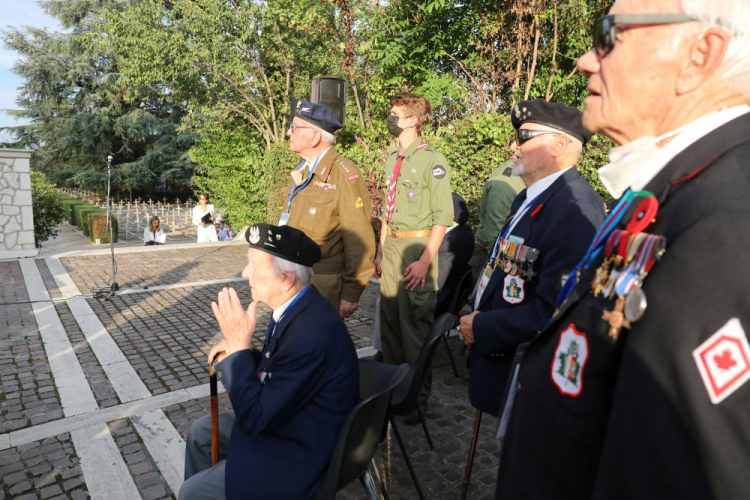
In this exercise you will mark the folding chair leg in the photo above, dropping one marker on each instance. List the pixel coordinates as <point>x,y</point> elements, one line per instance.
<point>472,452</point>
<point>424,426</point>
<point>379,479</point>
<point>406,457</point>
<point>368,484</point>
<point>450,354</point>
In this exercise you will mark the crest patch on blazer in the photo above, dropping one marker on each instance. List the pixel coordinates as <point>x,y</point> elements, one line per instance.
<point>569,361</point>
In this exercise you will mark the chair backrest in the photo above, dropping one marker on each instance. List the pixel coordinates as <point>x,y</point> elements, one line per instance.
<point>405,396</point>
<point>359,436</point>
<point>461,295</point>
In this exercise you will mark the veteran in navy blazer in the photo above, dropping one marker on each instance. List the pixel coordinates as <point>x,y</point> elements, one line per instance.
<point>553,222</point>
<point>291,398</point>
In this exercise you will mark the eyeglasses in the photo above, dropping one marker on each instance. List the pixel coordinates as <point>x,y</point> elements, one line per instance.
<point>605,29</point>
<point>294,127</point>
<point>524,135</point>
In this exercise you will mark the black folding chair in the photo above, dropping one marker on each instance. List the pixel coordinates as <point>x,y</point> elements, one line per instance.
<point>459,300</point>
<point>405,395</point>
<point>362,431</point>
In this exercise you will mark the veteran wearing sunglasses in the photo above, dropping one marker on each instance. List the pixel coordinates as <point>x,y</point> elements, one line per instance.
<point>551,224</point>
<point>638,388</point>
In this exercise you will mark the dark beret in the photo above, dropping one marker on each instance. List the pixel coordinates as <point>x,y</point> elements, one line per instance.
<point>317,114</point>
<point>283,241</point>
<point>552,114</point>
<point>460,211</point>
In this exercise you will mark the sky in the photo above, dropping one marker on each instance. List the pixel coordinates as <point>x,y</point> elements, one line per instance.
<point>17,14</point>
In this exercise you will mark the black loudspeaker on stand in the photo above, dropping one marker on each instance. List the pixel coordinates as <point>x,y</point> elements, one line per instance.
<point>331,93</point>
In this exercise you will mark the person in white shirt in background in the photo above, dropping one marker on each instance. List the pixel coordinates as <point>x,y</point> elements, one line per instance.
<point>153,235</point>
<point>206,232</point>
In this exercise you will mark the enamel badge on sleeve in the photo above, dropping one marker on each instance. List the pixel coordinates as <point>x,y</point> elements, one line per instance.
<point>724,361</point>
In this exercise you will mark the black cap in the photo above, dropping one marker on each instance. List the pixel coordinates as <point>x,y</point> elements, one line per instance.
<point>317,114</point>
<point>552,114</point>
<point>460,211</point>
<point>283,241</point>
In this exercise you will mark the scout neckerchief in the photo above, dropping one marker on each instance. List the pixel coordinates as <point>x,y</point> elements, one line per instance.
<point>391,200</point>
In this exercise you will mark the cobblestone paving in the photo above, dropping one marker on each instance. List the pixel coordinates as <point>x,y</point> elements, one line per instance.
<point>135,270</point>
<point>149,481</point>
<point>48,279</point>
<point>104,393</point>
<point>28,395</point>
<point>166,335</point>
<point>450,419</point>
<point>41,470</point>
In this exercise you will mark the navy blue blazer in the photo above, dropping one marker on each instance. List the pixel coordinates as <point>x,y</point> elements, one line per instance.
<point>285,427</point>
<point>561,230</point>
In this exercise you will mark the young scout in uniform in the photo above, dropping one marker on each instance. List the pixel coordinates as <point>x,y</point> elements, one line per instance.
<point>499,192</point>
<point>418,210</point>
<point>329,201</point>
<point>639,387</point>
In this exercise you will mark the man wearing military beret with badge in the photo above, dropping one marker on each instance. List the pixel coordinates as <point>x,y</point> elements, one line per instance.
<point>290,399</point>
<point>329,201</point>
<point>416,213</point>
<point>552,223</point>
<point>639,388</point>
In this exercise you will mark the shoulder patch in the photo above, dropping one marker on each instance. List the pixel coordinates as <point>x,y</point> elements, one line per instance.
<point>438,171</point>
<point>359,203</point>
<point>724,361</point>
<point>353,177</point>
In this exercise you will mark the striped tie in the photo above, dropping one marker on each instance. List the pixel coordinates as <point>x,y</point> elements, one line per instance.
<point>391,201</point>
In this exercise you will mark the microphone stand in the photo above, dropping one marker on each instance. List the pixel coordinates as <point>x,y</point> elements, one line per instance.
<point>114,287</point>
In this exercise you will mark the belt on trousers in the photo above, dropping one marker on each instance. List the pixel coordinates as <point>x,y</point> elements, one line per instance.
<point>408,234</point>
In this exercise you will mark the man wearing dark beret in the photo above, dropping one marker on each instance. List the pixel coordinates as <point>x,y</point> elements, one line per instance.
<point>328,199</point>
<point>289,399</point>
<point>552,223</point>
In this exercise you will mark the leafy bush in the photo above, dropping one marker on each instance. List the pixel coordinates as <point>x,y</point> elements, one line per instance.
<point>99,227</point>
<point>47,207</point>
<point>68,208</point>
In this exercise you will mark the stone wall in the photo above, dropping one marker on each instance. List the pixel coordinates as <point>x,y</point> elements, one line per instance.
<point>16,214</point>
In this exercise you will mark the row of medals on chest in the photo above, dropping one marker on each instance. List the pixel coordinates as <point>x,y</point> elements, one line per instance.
<point>512,256</point>
<point>628,258</point>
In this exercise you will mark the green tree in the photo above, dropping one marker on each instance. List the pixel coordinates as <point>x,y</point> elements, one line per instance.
<point>81,109</point>
<point>47,207</point>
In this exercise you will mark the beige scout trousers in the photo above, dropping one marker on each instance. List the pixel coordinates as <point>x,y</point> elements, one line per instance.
<point>406,316</point>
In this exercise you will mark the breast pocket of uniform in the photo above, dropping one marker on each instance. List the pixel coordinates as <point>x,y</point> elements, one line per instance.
<point>316,212</point>
<point>415,191</point>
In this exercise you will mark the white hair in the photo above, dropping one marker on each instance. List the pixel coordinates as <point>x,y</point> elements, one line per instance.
<point>327,136</point>
<point>303,274</point>
<point>734,17</point>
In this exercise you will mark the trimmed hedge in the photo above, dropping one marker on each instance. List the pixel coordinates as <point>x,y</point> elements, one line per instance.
<point>77,219</point>
<point>68,208</point>
<point>86,219</point>
<point>99,227</point>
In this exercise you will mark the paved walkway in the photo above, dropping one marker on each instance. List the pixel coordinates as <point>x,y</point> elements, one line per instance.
<point>96,396</point>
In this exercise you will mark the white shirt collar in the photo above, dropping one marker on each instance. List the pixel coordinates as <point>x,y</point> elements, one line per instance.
<point>279,311</point>
<point>532,192</point>
<point>618,179</point>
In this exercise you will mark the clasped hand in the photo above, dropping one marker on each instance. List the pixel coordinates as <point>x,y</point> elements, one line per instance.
<point>236,323</point>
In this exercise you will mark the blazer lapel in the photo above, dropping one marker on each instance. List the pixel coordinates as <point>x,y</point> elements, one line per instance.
<point>272,344</point>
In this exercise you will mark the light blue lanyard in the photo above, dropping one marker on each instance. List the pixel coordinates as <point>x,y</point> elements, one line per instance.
<point>291,304</point>
<point>505,232</point>
<point>294,192</point>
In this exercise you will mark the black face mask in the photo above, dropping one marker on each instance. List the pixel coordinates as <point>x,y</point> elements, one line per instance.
<point>393,128</point>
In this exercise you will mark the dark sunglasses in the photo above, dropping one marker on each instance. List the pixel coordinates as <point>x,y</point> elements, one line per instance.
<point>605,29</point>
<point>524,135</point>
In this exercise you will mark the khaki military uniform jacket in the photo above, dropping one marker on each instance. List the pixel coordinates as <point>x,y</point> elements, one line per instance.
<point>334,211</point>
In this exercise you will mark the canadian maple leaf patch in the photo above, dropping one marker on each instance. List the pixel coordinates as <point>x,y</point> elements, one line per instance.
<point>724,361</point>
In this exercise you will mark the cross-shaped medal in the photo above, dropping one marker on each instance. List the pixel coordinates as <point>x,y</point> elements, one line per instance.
<point>616,318</point>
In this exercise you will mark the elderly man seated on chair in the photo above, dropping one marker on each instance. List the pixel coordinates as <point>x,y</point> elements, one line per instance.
<point>290,399</point>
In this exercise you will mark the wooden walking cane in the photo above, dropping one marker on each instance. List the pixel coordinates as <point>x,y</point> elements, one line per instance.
<point>472,451</point>
<point>214,413</point>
